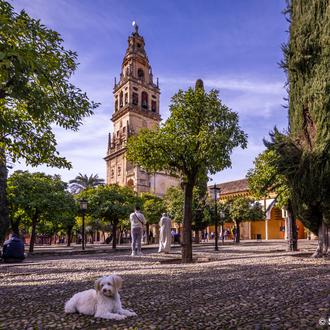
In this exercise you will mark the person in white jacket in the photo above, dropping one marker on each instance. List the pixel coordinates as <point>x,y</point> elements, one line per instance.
<point>137,222</point>
<point>165,236</point>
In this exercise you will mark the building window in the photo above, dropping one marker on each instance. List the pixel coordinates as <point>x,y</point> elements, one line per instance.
<point>121,99</point>
<point>112,173</point>
<point>135,97</point>
<point>144,100</point>
<point>126,98</point>
<point>141,74</point>
<point>153,106</point>
<point>116,105</point>
<point>119,171</point>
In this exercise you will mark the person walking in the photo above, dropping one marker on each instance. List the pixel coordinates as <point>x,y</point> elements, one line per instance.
<point>165,234</point>
<point>137,222</point>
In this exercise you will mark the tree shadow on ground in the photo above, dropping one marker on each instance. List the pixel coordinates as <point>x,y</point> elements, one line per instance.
<point>197,296</point>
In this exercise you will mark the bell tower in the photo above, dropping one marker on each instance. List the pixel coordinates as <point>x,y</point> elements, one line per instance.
<point>136,106</point>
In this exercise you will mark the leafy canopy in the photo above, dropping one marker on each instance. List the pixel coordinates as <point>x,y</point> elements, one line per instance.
<point>109,203</point>
<point>265,178</point>
<point>198,136</point>
<point>153,207</point>
<point>35,89</point>
<point>41,198</point>
<point>245,209</point>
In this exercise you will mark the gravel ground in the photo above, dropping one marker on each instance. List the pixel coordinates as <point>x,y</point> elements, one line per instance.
<point>250,286</point>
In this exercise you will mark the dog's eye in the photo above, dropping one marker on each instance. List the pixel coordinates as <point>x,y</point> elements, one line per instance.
<point>109,284</point>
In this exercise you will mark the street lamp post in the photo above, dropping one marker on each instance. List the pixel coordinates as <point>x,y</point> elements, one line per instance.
<point>216,190</point>
<point>83,207</point>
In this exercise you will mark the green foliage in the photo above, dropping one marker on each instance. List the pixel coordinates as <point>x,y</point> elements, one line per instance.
<point>306,60</point>
<point>198,136</point>
<point>109,203</point>
<point>308,176</point>
<point>265,178</point>
<point>304,154</point>
<point>35,92</point>
<point>153,207</point>
<point>36,95</point>
<point>81,182</point>
<point>173,201</point>
<point>40,200</point>
<point>244,209</point>
<point>196,139</point>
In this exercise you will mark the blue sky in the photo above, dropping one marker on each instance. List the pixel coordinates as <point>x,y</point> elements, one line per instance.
<point>233,45</point>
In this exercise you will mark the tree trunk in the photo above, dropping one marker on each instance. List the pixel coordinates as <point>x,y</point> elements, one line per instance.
<point>69,236</point>
<point>238,232</point>
<point>114,234</point>
<point>196,236</point>
<point>323,241</point>
<point>4,212</point>
<point>187,216</point>
<point>33,235</point>
<point>293,235</point>
<point>15,227</point>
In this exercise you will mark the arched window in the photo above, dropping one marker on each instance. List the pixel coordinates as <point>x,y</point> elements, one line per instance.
<point>144,100</point>
<point>116,105</point>
<point>141,74</point>
<point>153,106</point>
<point>121,99</point>
<point>126,98</point>
<point>135,98</point>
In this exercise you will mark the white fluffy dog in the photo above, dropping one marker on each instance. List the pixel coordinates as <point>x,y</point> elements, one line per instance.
<point>103,302</point>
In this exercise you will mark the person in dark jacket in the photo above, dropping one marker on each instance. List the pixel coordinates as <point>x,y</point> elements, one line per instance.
<point>13,249</point>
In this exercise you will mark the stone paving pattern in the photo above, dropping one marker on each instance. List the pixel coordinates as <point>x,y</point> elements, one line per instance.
<point>250,286</point>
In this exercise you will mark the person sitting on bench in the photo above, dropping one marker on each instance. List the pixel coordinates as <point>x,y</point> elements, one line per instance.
<point>13,249</point>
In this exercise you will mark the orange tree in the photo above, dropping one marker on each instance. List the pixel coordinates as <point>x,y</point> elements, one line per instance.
<point>197,138</point>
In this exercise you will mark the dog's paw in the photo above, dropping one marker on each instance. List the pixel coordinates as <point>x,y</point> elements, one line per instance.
<point>119,317</point>
<point>131,314</point>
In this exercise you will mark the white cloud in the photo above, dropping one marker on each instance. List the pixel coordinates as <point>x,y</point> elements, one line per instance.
<point>248,97</point>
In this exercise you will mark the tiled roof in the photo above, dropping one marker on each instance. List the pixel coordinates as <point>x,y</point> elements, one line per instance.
<point>233,186</point>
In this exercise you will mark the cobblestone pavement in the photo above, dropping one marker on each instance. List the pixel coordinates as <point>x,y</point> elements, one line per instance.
<point>250,286</point>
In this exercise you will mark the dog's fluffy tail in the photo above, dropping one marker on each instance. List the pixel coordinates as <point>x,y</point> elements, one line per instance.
<point>70,306</point>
